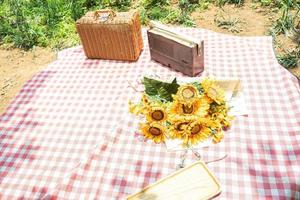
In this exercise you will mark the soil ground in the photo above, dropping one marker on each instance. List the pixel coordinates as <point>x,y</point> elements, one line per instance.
<point>247,20</point>
<point>17,66</point>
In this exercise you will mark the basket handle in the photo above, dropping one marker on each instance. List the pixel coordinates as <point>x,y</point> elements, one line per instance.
<point>99,14</point>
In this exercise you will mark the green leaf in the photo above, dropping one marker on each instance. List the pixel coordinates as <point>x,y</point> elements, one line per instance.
<point>199,87</point>
<point>151,86</point>
<point>161,90</point>
<point>164,94</point>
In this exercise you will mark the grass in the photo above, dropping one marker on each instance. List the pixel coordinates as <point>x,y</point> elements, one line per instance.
<point>25,24</point>
<point>223,2</point>
<point>289,59</point>
<point>231,24</point>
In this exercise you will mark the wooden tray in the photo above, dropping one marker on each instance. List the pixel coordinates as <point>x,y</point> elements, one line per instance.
<point>194,182</point>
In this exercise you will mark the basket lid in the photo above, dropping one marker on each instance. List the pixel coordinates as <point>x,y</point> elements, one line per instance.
<point>107,17</point>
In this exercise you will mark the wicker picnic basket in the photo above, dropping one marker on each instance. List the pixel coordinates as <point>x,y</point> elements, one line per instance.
<point>109,35</point>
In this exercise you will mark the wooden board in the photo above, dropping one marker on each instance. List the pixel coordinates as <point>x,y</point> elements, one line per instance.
<point>194,182</point>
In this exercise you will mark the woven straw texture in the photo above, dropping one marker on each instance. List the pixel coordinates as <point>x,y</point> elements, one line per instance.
<point>117,38</point>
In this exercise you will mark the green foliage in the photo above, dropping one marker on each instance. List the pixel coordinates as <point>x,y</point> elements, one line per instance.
<point>143,15</point>
<point>28,23</point>
<point>160,90</point>
<point>231,24</point>
<point>18,26</point>
<point>221,3</point>
<point>78,8</point>
<point>199,87</point>
<point>203,5</point>
<point>157,12</point>
<point>285,23</point>
<point>265,2</point>
<point>120,5</point>
<point>289,59</point>
<point>176,16</point>
<point>39,23</point>
<point>163,11</point>
<point>151,3</point>
<point>187,5</point>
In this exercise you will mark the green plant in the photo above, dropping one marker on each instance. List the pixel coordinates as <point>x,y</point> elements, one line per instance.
<point>166,13</point>
<point>30,23</point>
<point>77,8</point>
<point>121,5</point>
<point>91,3</point>
<point>18,27</point>
<point>64,35</point>
<point>231,24</point>
<point>203,5</point>
<point>221,3</point>
<point>264,2</point>
<point>157,12</point>
<point>161,90</point>
<point>289,59</point>
<point>286,23</point>
<point>176,17</point>
<point>150,3</point>
<point>143,15</point>
<point>187,5</point>
<point>186,21</point>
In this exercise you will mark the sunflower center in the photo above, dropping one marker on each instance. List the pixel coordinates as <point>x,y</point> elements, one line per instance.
<point>187,109</point>
<point>196,129</point>
<point>157,115</point>
<point>154,131</point>
<point>181,125</point>
<point>188,93</point>
<point>213,92</point>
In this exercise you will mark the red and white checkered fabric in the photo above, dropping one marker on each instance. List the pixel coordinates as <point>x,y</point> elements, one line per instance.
<point>68,134</point>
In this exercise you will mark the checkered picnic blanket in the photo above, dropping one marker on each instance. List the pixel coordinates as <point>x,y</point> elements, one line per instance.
<point>68,133</point>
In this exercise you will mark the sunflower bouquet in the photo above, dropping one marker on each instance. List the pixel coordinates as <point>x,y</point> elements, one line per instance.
<point>192,112</point>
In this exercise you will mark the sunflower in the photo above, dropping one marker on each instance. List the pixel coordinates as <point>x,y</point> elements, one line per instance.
<point>135,108</point>
<point>141,107</point>
<point>156,113</point>
<point>218,136</point>
<point>154,131</point>
<point>226,121</point>
<point>223,119</point>
<point>145,100</point>
<point>179,126</point>
<point>199,106</point>
<point>186,93</point>
<point>198,131</point>
<point>218,108</point>
<point>213,91</point>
